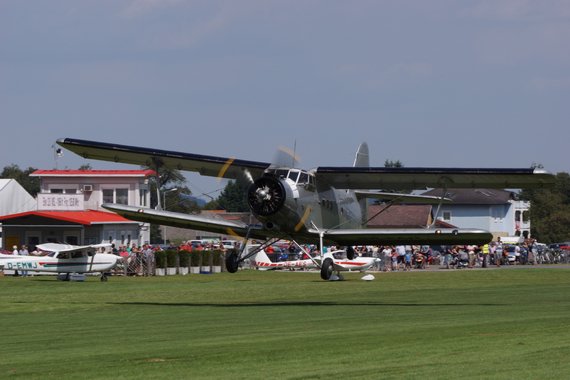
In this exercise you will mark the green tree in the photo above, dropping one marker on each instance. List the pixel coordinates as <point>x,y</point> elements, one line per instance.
<point>168,178</point>
<point>550,210</point>
<point>393,164</point>
<point>233,197</point>
<point>31,184</point>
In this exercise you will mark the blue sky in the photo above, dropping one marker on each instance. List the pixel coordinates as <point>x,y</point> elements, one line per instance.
<point>430,83</point>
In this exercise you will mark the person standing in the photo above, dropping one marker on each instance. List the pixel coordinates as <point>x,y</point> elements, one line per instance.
<point>24,252</point>
<point>484,254</point>
<point>15,253</point>
<point>498,252</point>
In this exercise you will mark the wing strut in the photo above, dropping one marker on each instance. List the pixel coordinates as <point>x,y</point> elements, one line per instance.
<point>439,206</point>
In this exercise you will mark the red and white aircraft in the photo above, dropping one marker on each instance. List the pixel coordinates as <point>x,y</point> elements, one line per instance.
<point>330,262</point>
<point>63,259</point>
<point>263,262</point>
<point>337,261</point>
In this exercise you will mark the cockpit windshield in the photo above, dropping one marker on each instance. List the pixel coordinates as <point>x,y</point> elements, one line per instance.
<point>296,175</point>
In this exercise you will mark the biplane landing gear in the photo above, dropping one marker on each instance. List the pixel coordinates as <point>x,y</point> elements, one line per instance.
<point>232,262</point>
<point>327,269</point>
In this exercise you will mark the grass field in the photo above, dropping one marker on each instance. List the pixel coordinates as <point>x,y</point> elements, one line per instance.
<point>511,323</point>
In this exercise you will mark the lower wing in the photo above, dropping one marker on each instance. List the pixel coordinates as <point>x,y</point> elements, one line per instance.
<point>343,237</point>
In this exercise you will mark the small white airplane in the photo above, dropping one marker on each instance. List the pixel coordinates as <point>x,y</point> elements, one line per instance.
<point>263,262</point>
<point>337,261</point>
<point>63,259</point>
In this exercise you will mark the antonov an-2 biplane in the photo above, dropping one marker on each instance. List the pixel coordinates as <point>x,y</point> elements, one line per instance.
<point>326,205</point>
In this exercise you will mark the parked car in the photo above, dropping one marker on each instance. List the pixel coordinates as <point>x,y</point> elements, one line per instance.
<point>512,256</point>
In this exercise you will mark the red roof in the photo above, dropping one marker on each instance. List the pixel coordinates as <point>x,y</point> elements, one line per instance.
<point>87,218</point>
<point>93,173</point>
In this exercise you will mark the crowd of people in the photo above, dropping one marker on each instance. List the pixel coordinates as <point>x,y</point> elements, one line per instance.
<point>141,260</point>
<point>408,257</point>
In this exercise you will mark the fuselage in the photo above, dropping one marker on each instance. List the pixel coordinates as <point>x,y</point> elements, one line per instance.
<point>290,201</point>
<point>78,263</point>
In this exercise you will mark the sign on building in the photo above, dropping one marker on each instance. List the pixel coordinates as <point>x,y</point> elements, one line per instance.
<point>60,202</point>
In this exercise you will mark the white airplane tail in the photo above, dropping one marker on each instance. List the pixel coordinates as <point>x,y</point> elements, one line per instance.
<point>362,159</point>
<point>261,257</point>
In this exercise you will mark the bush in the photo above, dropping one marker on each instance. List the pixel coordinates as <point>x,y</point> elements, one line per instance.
<point>171,256</point>
<point>217,258</point>
<point>206,255</point>
<point>195,259</point>
<point>160,259</point>
<point>184,257</point>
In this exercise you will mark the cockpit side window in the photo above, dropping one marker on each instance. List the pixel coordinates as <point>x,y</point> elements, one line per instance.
<point>304,178</point>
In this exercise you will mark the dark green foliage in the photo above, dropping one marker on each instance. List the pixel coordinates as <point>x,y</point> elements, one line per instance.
<point>550,211</point>
<point>171,258</point>
<point>232,199</point>
<point>217,257</point>
<point>195,258</point>
<point>393,164</point>
<point>160,259</point>
<point>206,258</point>
<point>31,184</point>
<point>184,258</point>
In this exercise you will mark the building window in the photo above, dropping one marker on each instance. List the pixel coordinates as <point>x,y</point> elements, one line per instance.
<point>56,191</point>
<point>142,196</point>
<point>122,196</point>
<point>108,196</point>
<point>447,215</point>
<point>526,216</point>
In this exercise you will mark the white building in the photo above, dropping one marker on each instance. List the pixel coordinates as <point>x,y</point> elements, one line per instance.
<point>68,209</point>
<point>497,211</point>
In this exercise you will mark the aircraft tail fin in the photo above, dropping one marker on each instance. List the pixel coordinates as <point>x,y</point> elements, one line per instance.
<point>261,257</point>
<point>362,159</point>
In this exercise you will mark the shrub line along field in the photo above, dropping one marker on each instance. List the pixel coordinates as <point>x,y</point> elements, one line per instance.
<point>255,325</point>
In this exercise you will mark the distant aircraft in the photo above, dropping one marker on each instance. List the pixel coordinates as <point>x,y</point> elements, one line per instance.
<point>262,262</point>
<point>337,261</point>
<point>326,205</point>
<point>63,259</point>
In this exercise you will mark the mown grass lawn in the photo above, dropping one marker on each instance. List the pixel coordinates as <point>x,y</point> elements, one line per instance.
<point>258,325</point>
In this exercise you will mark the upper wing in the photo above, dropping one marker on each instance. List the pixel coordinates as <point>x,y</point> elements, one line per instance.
<point>222,167</point>
<point>418,178</point>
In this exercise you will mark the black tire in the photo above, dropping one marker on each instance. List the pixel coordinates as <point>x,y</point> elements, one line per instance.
<point>104,278</point>
<point>327,269</point>
<point>350,254</point>
<point>232,262</point>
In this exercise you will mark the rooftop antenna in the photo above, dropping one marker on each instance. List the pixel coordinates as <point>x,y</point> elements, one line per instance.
<point>57,153</point>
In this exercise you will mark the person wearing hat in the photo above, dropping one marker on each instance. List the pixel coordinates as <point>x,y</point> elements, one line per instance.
<point>24,252</point>
<point>15,253</point>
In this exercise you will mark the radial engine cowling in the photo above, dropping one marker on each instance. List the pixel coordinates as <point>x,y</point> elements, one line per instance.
<point>266,195</point>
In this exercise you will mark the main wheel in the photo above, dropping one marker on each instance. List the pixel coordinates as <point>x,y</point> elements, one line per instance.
<point>232,262</point>
<point>104,278</point>
<point>327,269</point>
<point>350,254</point>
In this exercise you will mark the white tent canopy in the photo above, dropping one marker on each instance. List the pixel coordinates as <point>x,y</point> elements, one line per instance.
<point>14,198</point>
